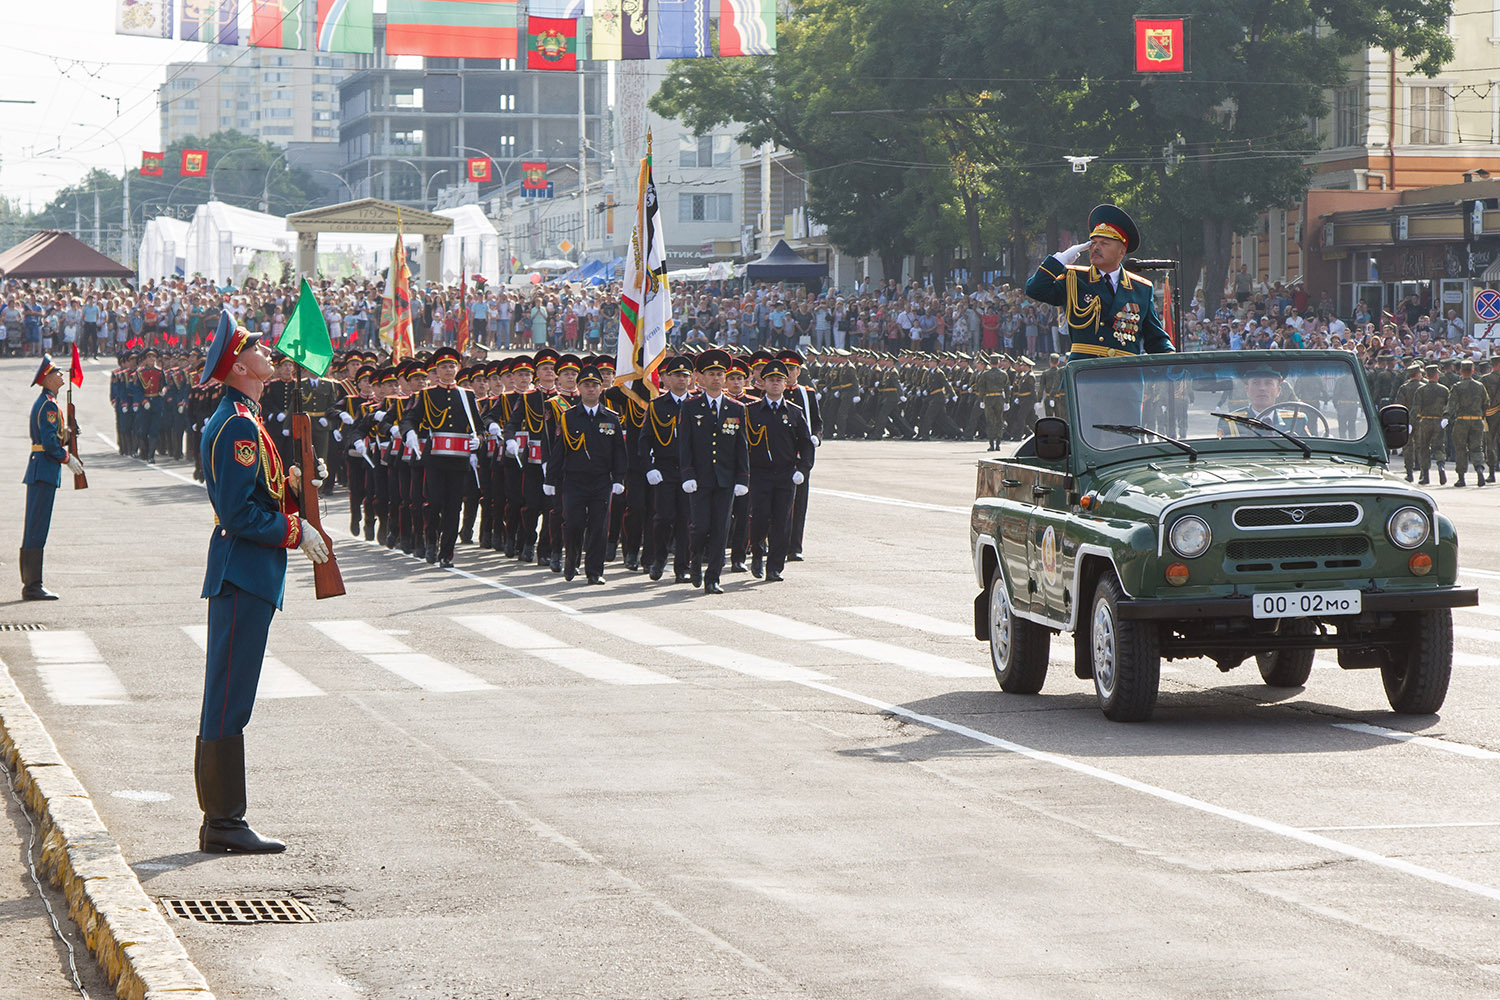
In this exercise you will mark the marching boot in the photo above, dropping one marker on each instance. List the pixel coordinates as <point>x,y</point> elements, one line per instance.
<point>486,540</point>
<point>696,573</point>
<point>528,554</point>
<point>354,524</point>
<point>1408,477</point>
<point>555,563</point>
<point>1460,480</point>
<point>1424,480</point>
<point>219,772</point>
<point>1442,476</point>
<point>369,529</point>
<point>756,563</point>
<point>31,577</point>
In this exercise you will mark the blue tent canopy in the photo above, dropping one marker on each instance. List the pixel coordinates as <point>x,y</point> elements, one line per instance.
<point>783,264</point>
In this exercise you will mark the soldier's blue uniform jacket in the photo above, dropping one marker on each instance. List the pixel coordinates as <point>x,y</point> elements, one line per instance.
<point>48,455</point>
<point>255,516</point>
<point>1101,322</point>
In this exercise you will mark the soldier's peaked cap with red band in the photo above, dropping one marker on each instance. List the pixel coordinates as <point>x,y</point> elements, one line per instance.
<point>229,342</point>
<point>1111,221</point>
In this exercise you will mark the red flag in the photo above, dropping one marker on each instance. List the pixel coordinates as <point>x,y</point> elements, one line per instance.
<point>1161,45</point>
<point>194,163</point>
<point>151,164</point>
<point>552,43</point>
<point>76,374</point>
<point>463,308</point>
<point>479,169</point>
<point>534,175</point>
<point>1169,315</point>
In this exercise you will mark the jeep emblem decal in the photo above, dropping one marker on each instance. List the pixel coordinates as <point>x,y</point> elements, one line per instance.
<point>1297,515</point>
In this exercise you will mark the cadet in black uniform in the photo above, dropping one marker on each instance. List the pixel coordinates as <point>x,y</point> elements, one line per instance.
<point>587,466</point>
<point>806,398</point>
<point>781,454</point>
<point>446,414</point>
<point>525,444</point>
<point>636,513</point>
<point>715,466</point>
<point>660,458</point>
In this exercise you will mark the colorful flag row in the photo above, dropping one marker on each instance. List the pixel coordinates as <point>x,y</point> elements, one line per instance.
<point>473,29</point>
<point>194,163</point>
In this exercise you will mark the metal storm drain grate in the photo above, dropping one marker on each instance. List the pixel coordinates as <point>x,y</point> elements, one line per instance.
<point>240,911</point>
<point>24,627</point>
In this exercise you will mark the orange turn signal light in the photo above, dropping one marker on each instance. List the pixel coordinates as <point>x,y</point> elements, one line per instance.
<point>1177,574</point>
<point>1086,501</point>
<point>1420,564</point>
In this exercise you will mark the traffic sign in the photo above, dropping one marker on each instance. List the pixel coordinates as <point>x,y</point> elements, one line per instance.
<point>1487,305</point>
<point>565,246</point>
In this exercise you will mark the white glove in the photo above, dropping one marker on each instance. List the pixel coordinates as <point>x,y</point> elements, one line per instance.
<point>690,486</point>
<point>816,440</point>
<point>181,407</point>
<point>147,404</point>
<point>653,477</point>
<point>798,478</point>
<point>981,406</point>
<point>473,442</point>
<point>360,448</point>
<point>617,489</point>
<point>1038,408</point>
<point>901,400</point>
<point>1004,407</point>
<point>512,448</point>
<point>1443,422</point>
<point>1069,255</point>
<point>1163,409</point>
<point>279,416</point>
<point>322,421</point>
<point>75,466</point>
<point>740,489</point>
<point>338,435</point>
<point>286,433</point>
<point>854,400</point>
<point>379,414</point>
<point>320,473</point>
<point>494,429</point>
<point>549,490</point>
<point>346,418</point>
<point>395,435</point>
<point>474,462</point>
<point>412,442</point>
<point>313,545</point>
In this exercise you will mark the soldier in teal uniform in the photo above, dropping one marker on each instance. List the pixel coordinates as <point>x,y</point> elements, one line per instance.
<point>49,454</point>
<point>256,519</point>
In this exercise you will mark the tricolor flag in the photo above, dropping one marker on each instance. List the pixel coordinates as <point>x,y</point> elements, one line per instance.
<point>645,302</point>
<point>151,164</point>
<point>557,8</point>
<point>345,26</point>
<point>479,169</point>
<point>277,24</point>
<point>682,29</point>
<point>453,29</point>
<point>194,163</point>
<point>211,21</point>
<point>747,27</point>
<point>146,18</point>
<point>533,175</point>
<point>552,43</point>
<point>395,306</point>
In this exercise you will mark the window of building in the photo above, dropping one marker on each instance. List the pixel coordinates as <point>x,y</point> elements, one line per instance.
<point>276,76</point>
<point>331,62</point>
<point>187,104</point>
<point>1348,117</point>
<point>705,151</point>
<point>224,121</point>
<point>279,113</point>
<point>276,130</point>
<point>184,83</point>
<point>1428,116</point>
<point>324,132</point>
<point>242,105</point>
<point>705,207</point>
<point>281,60</point>
<point>322,116</point>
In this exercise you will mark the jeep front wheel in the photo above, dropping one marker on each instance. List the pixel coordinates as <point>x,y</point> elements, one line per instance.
<point>1416,676</point>
<point>1126,658</point>
<point>1018,648</point>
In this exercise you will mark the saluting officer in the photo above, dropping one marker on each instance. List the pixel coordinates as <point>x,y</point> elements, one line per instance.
<point>587,465</point>
<point>781,453</point>
<point>49,453</point>
<point>715,466</point>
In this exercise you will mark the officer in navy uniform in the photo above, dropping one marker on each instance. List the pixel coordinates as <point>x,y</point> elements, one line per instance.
<point>715,466</point>
<point>256,519</point>
<point>661,457</point>
<point>49,453</point>
<point>442,422</point>
<point>587,467</point>
<point>781,455</point>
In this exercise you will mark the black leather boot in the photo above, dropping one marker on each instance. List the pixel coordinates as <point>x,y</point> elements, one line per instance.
<point>31,577</point>
<point>219,770</point>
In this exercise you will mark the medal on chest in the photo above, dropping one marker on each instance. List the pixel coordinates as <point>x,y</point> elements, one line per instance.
<point>1128,323</point>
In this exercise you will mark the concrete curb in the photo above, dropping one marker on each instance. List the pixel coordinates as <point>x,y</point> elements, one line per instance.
<point>125,931</point>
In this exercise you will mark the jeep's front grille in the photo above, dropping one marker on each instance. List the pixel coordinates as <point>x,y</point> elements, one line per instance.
<point>1269,554</point>
<point>1312,515</point>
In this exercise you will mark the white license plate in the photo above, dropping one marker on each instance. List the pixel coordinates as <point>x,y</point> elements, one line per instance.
<point>1306,604</point>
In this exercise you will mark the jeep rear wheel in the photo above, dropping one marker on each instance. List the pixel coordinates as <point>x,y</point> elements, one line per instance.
<point>1018,648</point>
<point>1416,677</point>
<point>1126,657</point>
<point>1288,668</point>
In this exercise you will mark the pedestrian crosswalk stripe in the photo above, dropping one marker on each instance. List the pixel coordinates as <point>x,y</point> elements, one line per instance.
<point>632,628</point>
<point>73,672</point>
<point>636,629</point>
<point>391,654</point>
<point>913,619</point>
<point>277,680</point>
<point>512,634</point>
<point>786,628</point>
<point>869,649</point>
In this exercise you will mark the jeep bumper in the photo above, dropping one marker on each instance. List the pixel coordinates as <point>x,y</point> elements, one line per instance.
<point>1239,607</point>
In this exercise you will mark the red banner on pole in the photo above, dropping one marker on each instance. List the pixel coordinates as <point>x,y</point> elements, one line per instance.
<point>1161,45</point>
<point>151,164</point>
<point>534,175</point>
<point>194,163</point>
<point>479,169</point>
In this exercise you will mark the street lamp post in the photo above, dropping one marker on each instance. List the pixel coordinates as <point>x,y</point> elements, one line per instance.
<point>340,178</point>
<point>426,188</point>
<point>265,188</point>
<point>212,174</point>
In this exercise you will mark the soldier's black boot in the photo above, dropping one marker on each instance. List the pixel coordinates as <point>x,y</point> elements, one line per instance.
<point>219,772</point>
<point>528,554</point>
<point>486,540</point>
<point>1424,480</point>
<point>1408,476</point>
<point>369,529</point>
<point>555,563</point>
<point>756,563</point>
<point>354,524</point>
<point>31,577</point>
<point>1442,476</point>
<point>1460,480</point>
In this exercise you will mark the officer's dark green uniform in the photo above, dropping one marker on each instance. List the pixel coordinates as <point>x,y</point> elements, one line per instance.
<point>1467,402</point>
<point>1051,382</point>
<point>1491,380</point>
<point>1406,395</point>
<point>1024,399</point>
<point>993,389</point>
<point>1430,404</point>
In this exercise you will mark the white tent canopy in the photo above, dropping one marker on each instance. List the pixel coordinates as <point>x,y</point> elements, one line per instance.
<point>163,246</point>
<point>474,240</point>
<point>222,240</point>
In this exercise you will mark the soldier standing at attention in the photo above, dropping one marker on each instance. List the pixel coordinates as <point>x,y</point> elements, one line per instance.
<point>1431,403</point>
<point>588,466</point>
<point>1024,399</point>
<point>660,456</point>
<point>49,453</point>
<point>1406,395</point>
<point>715,466</point>
<point>1467,402</point>
<point>993,389</point>
<point>1051,384</point>
<point>781,452</point>
<point>256,519</point>
<point>447,417</point>
<point>806,397</point>
<point>1491,380</point>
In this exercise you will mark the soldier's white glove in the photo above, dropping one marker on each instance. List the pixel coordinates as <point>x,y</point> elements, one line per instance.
<point>854,400</point>
<point>313,545</point>
<point>798,478</point>
<point>286,432</point>
<point>741,489</point>
<point>338,435</point>
<point>322,421</point>
<point>346,418</point>
<point>690,486</point>
<point>617,489</point>
<point>360,448</point>
<point>181,407</point>
<point>279,416</point>
<point>981,406</point>
<point>474,462</point>
<point>379,414</point>
<point>1004,407</point>
<point>653,477</point>
<point>512,448</point>
<point>147,404</point>
<point>473,442</point>
<point>395,435</point>
<point>1071,254</point>
<point>411,441</point>
<point>816,440</point>
<point>1443,423</point>
<point>494,430</point>
<point>549,490</point>
<point>1038,408</point>
<point>901,400</point>
<point>75,466</point>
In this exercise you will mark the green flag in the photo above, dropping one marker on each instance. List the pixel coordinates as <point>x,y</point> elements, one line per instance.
<point>305,339</point>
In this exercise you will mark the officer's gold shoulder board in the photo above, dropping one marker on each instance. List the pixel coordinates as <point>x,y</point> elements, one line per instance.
<point>1136,277</point>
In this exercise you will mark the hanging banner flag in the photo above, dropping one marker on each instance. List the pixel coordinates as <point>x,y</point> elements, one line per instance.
<point>557,8</point>
<point>345,26</point>
<point>395,304</point>
<point>607,25</point>
<point>211,21</point>
<point>277,24</point>
<point>1161,45</point>
<point>461,337</point>
<point>479,169</point>
<point>747,27</point>
<point>146,18</point>
<point>635,42</point>
<point>194,163</point>
<point>645,301</point>
<point>533,175</point>
<point>453,29</point>
<point>682,29</point>
<point>151,164</point>
<point>552,43</point>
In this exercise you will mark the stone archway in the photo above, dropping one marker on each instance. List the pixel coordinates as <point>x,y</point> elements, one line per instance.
<point>369,215</point>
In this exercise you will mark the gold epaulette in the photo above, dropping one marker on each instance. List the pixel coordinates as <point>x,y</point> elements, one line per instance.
<point>1136,277</point>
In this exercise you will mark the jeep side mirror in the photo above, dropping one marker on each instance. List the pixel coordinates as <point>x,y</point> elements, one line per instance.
<point>1051,439</point>
<point>1395,426</point>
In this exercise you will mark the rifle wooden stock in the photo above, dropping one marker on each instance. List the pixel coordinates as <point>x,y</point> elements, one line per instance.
<point>327,580</point>
<point>80,480</point>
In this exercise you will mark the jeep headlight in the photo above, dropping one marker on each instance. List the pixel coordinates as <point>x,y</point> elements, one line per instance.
<point>1408,527</point>
<point>1190,536</point>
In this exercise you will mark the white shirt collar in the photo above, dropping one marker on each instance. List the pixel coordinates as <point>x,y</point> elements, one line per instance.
<point>1114,276</point>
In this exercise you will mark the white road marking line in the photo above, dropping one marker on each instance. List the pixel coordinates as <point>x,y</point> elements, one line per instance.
<point>889,501</point>
<point>277,680</point>
<point>636,629</point>
<point>1401,826</point>
<point>1488,574</point>
<point>913,619</point>
<point>391,654</point>
<point>516,635</point>
<point>73,672</point>
<point>745,663</point>
<point>1478,634</point>
<point>1328,660</point>
<point>1188,802</point>
<point>1401,736</point>
<point>164,471</point>
<point>1484,610</point>
<point>870,649</point>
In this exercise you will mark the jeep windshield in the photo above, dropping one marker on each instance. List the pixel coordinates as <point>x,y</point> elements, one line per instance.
<point>1309,399</point>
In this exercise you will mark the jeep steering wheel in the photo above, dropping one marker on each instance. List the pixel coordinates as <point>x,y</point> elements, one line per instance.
<point>1319,423</point>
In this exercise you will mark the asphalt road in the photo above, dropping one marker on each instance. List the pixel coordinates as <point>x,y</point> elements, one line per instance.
<point>497,784</point>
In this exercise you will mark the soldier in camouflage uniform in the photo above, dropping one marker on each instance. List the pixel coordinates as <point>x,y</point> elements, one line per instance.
<point>1467,403</point>
<point>1431,405</point>
<point>1491,381</point>
<point>1024,400</point>
<point>993,389</point>
<point>1406,395</point>
<point>1054,400</point>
